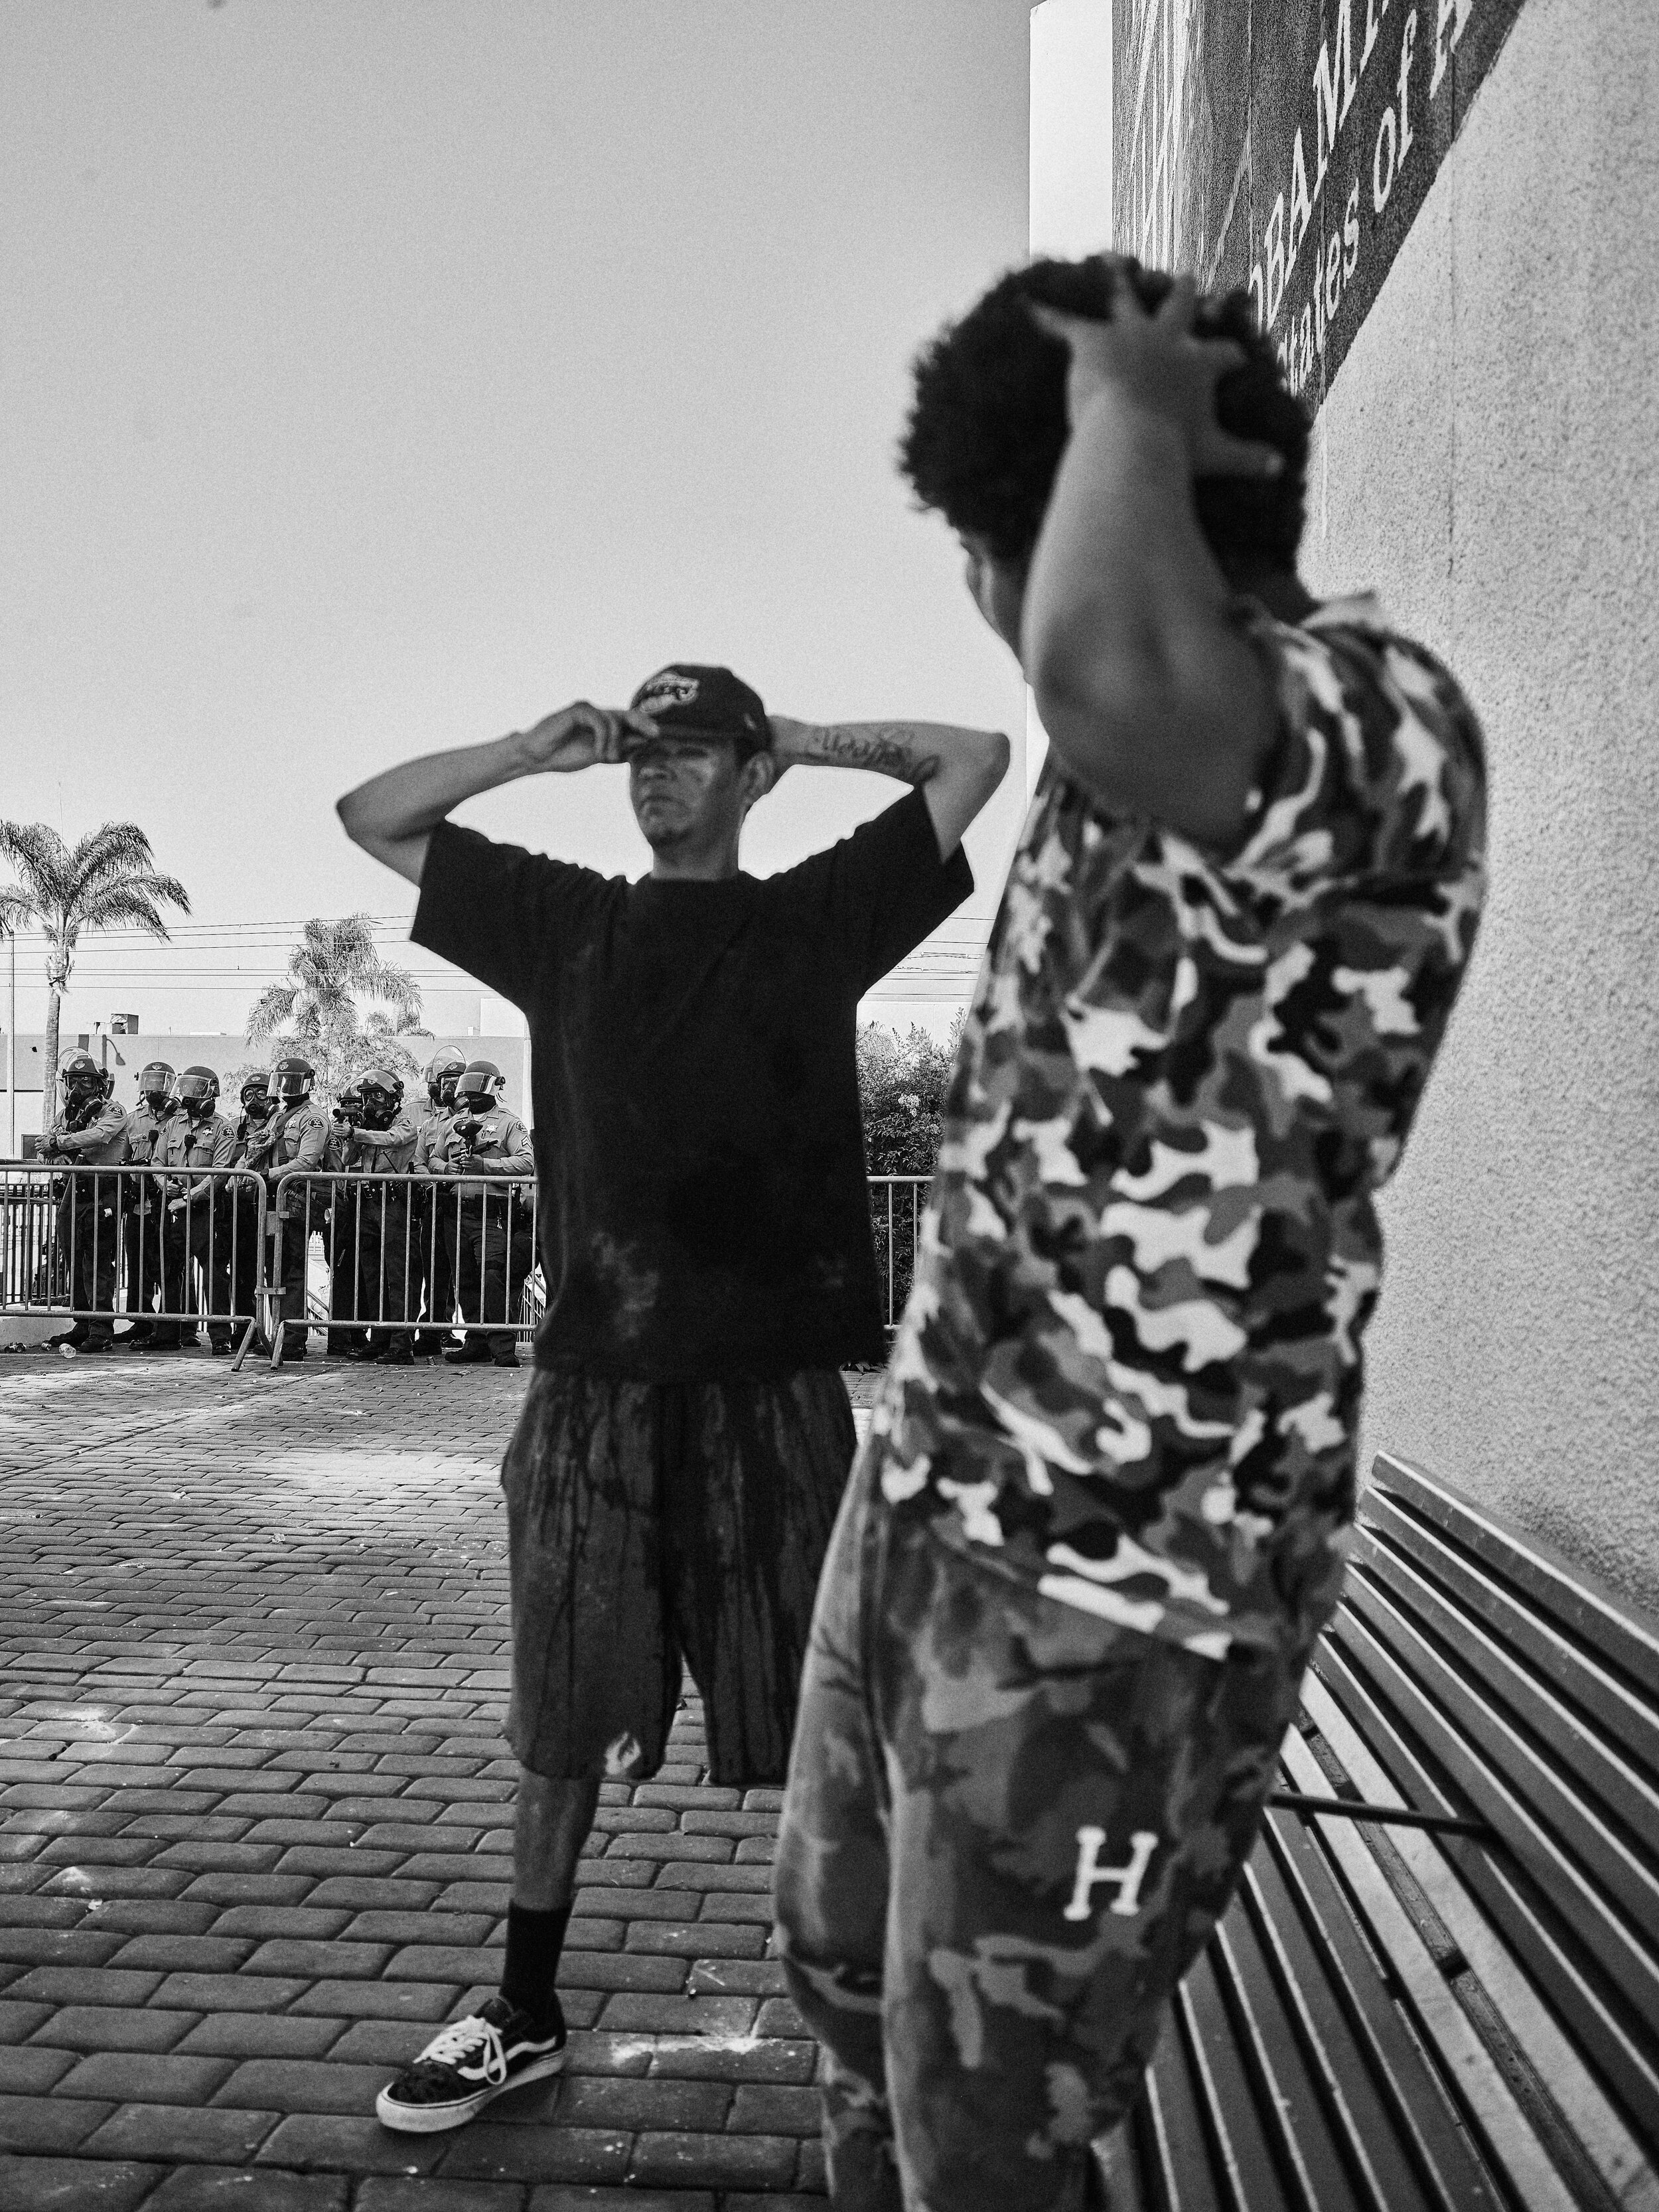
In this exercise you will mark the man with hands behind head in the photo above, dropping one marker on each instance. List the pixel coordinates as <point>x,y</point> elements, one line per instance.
<point>705,1236</point>
<point>1097,1522</point>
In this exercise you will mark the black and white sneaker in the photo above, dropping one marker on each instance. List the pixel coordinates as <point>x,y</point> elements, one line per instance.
<point>493,2050</point>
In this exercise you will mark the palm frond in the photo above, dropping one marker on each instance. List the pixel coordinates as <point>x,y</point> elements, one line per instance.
<point>269,1011</point>
<point>40,858</point>
<point>123,906</point>
<point>115,849</point>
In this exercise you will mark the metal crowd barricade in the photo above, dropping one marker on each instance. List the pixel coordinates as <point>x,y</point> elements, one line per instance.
<point>450,1255</point>
<point>898,1203</point>
<point>403,1256</point>
<point>136,1243</point>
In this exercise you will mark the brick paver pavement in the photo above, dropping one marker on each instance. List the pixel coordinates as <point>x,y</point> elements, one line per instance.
<point>253,1841</point>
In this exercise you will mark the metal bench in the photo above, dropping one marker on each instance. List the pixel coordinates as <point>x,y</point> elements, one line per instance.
<point>1448,1995</point>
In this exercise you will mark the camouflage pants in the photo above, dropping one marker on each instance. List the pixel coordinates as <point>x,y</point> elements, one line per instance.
<point>1010,1828</point>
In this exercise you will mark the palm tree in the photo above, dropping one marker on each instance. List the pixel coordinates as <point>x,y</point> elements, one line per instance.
<point>108,882</point>
<point>334,965</point>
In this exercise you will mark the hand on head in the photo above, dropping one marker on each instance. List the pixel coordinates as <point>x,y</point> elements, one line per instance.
<point>1157,362</point>
<point>583,736</point>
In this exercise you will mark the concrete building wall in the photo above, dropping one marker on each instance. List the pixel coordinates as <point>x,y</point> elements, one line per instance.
<point>1487,458</point>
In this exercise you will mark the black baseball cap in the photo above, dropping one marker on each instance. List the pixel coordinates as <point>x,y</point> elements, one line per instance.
<point>687,700</point>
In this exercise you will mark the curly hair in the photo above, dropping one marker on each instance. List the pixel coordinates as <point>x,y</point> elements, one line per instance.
<point>987,424</point>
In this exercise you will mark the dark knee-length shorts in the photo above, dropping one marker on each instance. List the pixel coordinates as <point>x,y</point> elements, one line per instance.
<point>650,1523</point>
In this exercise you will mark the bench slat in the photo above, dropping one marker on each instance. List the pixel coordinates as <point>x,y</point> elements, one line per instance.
<point>1606,2139</point>
<point>1170,2135</point>
<point>1293,2112</point>
<point>1562,1589</point>
<point>1371,1690</point>
<point>1389,2060</point>
<point>1245,2163</point>
<point>1504,2128</point>
<point>1595,1766</point>
<point>1526,1800</point>
<point>1376,2174</point>
<point>1628,1720</point>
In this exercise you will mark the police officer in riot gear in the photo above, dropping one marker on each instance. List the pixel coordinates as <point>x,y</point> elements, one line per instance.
<point>435,1209</point>
<point>141,1211</point>
<point>296,1137</point>
<point>198,1229</point>
<point>489,1147</point>
<point>374,1261</point>
<point>90,1130</point>
<point>256,1107</point>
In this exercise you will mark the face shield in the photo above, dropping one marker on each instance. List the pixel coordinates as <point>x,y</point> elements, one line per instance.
<point>195,1093</point>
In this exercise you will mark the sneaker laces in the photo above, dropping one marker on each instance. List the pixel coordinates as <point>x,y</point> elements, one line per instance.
<point>467,2038</point>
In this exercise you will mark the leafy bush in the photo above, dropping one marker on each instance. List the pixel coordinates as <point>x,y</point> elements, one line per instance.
<point>901,1086</point>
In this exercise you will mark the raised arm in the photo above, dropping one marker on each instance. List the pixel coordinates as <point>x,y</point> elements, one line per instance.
<point>393,815</point>
<point>957,769</point>
<point>1149,691</point>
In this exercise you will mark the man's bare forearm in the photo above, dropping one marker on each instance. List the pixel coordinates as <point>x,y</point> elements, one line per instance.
<point>1150,693</point>
<point>1122,578</point>
<point>913,752</point>
<point>412,799</point>
<point>393,815</point>
<point>958,768</point>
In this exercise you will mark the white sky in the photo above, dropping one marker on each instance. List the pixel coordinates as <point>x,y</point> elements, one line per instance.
<point>377,374</point>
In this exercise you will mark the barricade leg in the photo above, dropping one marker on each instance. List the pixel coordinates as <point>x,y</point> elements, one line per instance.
<point>95,1242</point>
<point>387,1276</point>
<point>209,1250</point>
<point>291,1332</point>
<point>141,1249</point>
<point>170,1335</point>
<point>245,1258</point>
<point>58,1286</point>
<point>495,1257</point>
<point>470,1284</point>
<point>433,1289</point>
<point>342,1238</point>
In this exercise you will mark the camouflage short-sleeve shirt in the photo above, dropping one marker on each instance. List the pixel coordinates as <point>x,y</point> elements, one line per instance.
<point>1130,1368</point>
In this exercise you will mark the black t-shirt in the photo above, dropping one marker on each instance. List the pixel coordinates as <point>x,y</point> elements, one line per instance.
<point>703,1207</point>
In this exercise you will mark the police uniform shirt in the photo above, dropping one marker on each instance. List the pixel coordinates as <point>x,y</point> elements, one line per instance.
<point>247,1130</point>
<point>187,1143</point>
<point>383,1151</point>
<point>144,1128</point>
<point>102,1142</point>
<point>430,1138</point>
<point>501,1140</point>
<point>297,1138</point>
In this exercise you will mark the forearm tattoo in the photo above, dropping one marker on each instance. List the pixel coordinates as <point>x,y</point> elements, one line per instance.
<point>884,747</point>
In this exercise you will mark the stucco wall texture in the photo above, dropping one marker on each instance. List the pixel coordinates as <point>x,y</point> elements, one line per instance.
<point>1488,460</point>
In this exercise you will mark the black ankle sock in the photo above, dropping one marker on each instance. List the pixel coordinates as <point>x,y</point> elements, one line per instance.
<point>534,1941</point>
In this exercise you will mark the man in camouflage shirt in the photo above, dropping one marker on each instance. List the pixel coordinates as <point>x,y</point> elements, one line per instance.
<point>1097,1522</point>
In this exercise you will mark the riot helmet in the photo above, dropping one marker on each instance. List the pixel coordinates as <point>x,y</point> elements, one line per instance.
<point>80,1077</point>
<point>292,1078</point>
<point>479,1087</point>
<point>198,1092</point>
<point>442,1072</point>
<point>156,1086</point>
<point>256,1089</point>
<point>382,1094</point>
